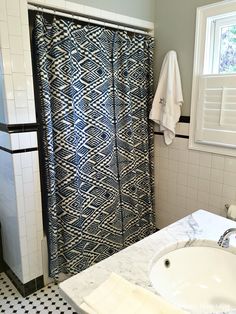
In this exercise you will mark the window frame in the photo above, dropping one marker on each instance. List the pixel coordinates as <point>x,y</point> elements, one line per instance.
<point>203,53</point>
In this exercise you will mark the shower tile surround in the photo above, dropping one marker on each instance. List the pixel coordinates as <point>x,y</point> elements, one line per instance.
<point>20,197</point>
<point>187,180</point>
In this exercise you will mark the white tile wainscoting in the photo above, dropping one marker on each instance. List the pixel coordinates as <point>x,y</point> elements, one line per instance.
<point>29,208</point>
<point>187,180</point>
<point>21,214</point>
<point>8,214</point>
<point>20,197</point>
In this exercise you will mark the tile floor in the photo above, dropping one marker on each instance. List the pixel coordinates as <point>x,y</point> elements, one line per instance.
<point>44,301</point>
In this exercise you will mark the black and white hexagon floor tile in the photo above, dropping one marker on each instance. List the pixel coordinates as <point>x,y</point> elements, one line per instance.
<point>44,301</point>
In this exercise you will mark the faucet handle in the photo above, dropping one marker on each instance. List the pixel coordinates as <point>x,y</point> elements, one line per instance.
<point>223,242</point>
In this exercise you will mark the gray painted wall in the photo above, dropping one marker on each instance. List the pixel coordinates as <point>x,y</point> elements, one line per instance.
<point>175,30</point>
<point>142,9</point>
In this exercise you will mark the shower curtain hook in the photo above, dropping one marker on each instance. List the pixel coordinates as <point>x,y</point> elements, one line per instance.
<point>133,35</point>
<point>54,14</point>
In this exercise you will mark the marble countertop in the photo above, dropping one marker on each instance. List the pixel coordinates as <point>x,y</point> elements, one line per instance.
<point>132,263</point>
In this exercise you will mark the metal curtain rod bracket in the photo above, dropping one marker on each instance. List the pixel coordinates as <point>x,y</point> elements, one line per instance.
<point>86,18</point>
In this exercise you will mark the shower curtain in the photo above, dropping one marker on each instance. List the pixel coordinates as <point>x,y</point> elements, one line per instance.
<point>95,87</point>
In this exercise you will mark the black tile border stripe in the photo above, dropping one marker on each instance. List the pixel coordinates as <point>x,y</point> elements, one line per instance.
<point>19,128</point>
<point>27,288</point>
<point>184,119</point>
<point>182,136</point>
<point>6,149</point>
<point>33,127</point>
<point>177,135</point>
<point>18,151</point>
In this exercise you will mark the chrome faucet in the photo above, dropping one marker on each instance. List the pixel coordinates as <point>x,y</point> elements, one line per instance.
<point>224,239</point>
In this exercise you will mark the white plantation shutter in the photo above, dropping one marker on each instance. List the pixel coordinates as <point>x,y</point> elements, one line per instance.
<point>216,111</point>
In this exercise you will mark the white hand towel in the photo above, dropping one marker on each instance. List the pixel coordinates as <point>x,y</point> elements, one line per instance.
<point>118,296</point>
<point>166,107</point>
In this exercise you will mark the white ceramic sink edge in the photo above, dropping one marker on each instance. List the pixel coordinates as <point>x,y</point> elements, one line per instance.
<point>193,277</point>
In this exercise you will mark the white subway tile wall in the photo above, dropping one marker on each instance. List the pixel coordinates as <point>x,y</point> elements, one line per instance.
<point>23,140</point>
<point>16,61</point>
<point>5,140</point>
<point>182,128</point>
<point>27,179</point>
<point>9,89</point>
<point>188,180</point>
<point>20,108</point>
<point>8,214</point>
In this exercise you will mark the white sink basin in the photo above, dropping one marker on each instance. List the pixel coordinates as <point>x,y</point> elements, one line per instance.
<point>197,279</point>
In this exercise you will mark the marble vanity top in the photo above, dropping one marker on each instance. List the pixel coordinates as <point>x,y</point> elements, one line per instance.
<point>132,263</point>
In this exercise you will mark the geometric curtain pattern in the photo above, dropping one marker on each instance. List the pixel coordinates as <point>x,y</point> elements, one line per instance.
<point>95,94</point>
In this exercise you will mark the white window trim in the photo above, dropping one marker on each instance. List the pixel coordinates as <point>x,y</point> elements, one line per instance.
<point>202,25</point>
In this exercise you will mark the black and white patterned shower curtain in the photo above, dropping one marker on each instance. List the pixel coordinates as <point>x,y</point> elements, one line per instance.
<point>95,92</point>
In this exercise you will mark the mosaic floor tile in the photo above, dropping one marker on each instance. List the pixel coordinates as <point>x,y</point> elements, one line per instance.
<point>44,301</point>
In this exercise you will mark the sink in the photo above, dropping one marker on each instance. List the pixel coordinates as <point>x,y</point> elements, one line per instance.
<point>197,279</point>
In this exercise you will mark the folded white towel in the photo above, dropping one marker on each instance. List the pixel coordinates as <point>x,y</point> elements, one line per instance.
<point>118,296</point>
<point>166,108</point>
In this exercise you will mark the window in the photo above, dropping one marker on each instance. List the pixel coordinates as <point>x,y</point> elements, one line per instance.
<point>213,107</point>
<point>221,46</point>
<point>227,51</point>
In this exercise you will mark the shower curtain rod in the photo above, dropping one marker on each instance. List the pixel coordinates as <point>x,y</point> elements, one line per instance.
<point>81,18</point>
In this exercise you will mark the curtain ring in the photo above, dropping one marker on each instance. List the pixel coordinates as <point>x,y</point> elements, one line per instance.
<point>40,10</point>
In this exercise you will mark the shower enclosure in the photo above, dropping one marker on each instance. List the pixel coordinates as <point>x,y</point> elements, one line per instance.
<point>93,88</point>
